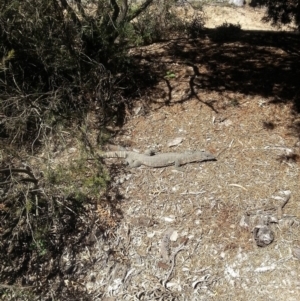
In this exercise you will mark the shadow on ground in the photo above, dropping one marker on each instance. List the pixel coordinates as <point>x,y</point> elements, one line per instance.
<point>252,63</point>
<point>249,62</point>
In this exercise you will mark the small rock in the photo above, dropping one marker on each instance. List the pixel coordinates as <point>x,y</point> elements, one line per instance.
<point>174,236</point>
<point>239,3</point>
<point>263,235</point>
<point>137,110</point>
<point>226,122</point>
<point>175,141</point>
<point>72,150</point>
<point>296,252</point>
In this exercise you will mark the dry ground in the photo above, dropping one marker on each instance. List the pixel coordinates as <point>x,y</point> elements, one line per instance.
<point>237,99</point>
<point>248,17</point>
<point>188,235</point>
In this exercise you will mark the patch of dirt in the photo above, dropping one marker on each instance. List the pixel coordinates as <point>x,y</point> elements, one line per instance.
<point>189,235</point>
<point>249,18</point>
<point>206,203</point>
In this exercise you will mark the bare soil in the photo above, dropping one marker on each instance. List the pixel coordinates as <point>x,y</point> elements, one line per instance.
<point>248,17</point>
<point>237,99</point>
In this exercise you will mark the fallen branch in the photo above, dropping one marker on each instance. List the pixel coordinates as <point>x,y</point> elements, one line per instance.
<point>27,170</point>
<point>173,256</point>
<point>12,287</point>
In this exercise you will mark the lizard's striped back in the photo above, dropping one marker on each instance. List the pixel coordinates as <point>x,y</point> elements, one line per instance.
<point>114,154</point>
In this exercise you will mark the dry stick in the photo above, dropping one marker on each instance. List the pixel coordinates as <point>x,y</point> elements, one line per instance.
<point>14,286</point>
<point>38,135</point>
<point>221,152</point>
<point>177,250</point>
<point>26,170</point>
<point>21,180</point>
<point>27,218</point>
<point>36,206</point>
<point>65,206</point>
<point>280,207</point>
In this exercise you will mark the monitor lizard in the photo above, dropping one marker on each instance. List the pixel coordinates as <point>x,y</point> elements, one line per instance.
<point>134,159</point>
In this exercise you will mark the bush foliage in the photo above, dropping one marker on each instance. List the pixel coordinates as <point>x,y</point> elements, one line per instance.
<point>60,60</point>
<point>280,11</point>
<point>53,67</point>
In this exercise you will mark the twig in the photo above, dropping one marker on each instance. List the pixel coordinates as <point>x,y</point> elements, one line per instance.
<point>280,207</point>
<point>223,150</point>
<point>177,250</point>
<point>65,206</point>
<point>28,219</point>
<point>237,185</point>
<point>287,198</point>
<point>14,286</point>
<point>193,192</point>
<point>36,206</point>
<point>22,180</point>
<point>38,135</point>
<point>26,170</point>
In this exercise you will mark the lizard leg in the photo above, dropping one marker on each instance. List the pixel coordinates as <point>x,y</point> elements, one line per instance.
<point>134,163</point>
